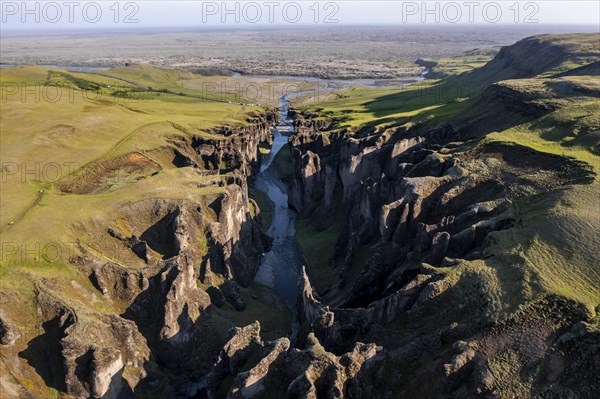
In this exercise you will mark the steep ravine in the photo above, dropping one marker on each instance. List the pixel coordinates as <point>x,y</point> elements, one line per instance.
<point>280,266</point>
<point>423,287</point>
<point>426,221</point>
<point>163,269</point>
<point>215,241</point>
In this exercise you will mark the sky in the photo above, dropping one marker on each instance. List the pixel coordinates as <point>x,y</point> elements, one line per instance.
<point>72,14</point>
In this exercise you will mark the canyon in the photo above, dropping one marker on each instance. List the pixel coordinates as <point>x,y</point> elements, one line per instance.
<point>394,245</point>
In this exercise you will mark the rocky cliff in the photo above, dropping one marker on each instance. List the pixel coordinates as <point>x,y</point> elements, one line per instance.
<point>449,255</point>
<point>420,206</point>
<point>435,259</point>
<point>165,263</point>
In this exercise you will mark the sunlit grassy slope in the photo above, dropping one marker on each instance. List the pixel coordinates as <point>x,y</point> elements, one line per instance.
<point>555,250</point>
<point>54,125</point>
<point>245,89</point>
<point>464,63</point>
<point>46,140</point>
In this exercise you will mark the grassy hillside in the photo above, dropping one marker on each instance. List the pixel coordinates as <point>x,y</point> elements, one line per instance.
<point>81,127</point>
<point>244,89</point>
<point>464,88</point>
<point>541,93</point>
<point>82,157</point>
<point>466,62</point>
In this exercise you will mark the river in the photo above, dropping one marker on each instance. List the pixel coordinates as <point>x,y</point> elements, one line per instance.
<point>280,267</point>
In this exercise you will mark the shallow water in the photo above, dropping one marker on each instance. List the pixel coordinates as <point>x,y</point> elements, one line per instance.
<point>280,267</point>
<point>345,83</point>
<point>68,67</point>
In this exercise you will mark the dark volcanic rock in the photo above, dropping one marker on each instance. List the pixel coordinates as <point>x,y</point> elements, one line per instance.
<point>9,333</point>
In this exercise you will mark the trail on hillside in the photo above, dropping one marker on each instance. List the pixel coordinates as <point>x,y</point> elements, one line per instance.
<point>21,215</point>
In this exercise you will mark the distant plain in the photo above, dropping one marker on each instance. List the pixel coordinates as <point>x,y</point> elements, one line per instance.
<point>333,52</point>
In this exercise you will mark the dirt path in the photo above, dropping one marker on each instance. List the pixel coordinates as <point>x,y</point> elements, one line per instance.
<point>21,215</point>
<point>201,97</point>
<point>118,78</point>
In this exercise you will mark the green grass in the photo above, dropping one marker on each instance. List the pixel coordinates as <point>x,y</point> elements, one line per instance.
<point>282,163</point>
<point>318,249</point>
<point>71,133</point>
<point>268,308</point>
<point>264,91</point>
<point>554,249</point>
<point>420,102</point>
<point>430,98</point>
<point>463,63</point>
<point>566,131</point>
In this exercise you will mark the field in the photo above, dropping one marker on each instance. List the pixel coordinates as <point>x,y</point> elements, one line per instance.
<point>334,52</point>
<point>77,131</point>
<point>241,89</point>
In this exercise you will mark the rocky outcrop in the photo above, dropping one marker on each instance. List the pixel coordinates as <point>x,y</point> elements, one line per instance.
<point>152,264</point>
<point>251,383</point>
<point>398,189</point>
<point>238,237</point>
<point>212,236</point>
<point>9,332</point>
<point>87,352</point>
<point>244,350</point>
<point>326,374</point>
<point>419,211</point>
<point>227,148</point>
<point>275,369</point>
<point>337,328</point>
<point>238,349</point>
<point>313,316</point>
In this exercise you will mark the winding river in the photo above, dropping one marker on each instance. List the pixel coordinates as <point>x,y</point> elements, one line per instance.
<point>280,267</point>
